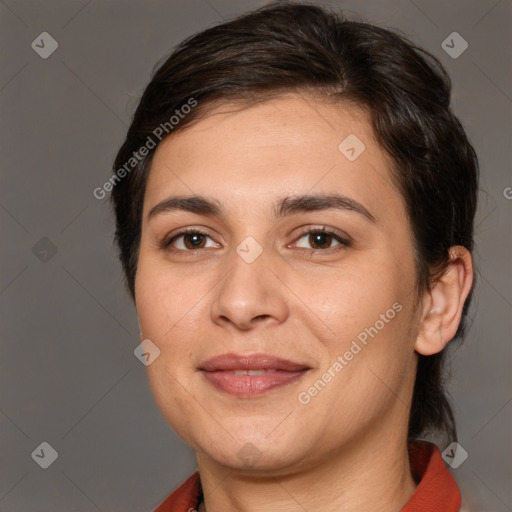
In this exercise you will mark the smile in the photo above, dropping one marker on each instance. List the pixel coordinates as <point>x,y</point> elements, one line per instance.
<point>249,383</point>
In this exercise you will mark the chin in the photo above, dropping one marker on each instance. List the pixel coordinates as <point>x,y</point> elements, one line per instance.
<point>252,459</point>
<point>256,452</point>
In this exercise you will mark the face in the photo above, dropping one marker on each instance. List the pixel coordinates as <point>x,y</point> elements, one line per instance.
<point>325,284</point>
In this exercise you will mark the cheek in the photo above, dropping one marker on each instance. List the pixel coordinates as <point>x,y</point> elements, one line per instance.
<point>168,387</point>
<point>164,298</point>
<point>170,311</point>
<point>350,298</point>
<point>366,319</point>
<point>165,311</point>
<point>370,359</point>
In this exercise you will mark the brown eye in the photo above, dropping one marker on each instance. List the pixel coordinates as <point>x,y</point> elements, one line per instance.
<point>194,240</point>
<point>321,240</point>
<point>187,241</point>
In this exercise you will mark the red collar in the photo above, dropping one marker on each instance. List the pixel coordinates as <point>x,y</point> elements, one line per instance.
<point>436,491</point>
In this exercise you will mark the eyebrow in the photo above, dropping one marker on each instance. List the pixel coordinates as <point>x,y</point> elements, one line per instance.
<point>283,207</point>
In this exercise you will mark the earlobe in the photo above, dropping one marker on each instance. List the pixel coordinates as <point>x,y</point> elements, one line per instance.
<point>444,302</point>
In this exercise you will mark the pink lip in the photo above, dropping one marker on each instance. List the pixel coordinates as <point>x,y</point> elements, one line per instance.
<point>278,372</point>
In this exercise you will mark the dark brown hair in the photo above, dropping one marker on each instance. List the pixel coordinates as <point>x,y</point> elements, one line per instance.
<point>297,47</point>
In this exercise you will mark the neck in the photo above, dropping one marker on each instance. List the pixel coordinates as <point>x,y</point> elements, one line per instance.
<point>372,474</point>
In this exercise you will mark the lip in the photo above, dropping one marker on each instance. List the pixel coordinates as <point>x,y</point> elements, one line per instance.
<point>250,362</point>
<point>233,373</point>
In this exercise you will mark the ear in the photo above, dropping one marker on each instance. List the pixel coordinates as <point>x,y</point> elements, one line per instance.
<point>443,303</point>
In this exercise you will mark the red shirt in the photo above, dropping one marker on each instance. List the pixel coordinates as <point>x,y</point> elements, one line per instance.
<point>436,491</point>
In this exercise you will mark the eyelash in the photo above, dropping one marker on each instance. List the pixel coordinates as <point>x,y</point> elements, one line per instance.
<point>343,242</point>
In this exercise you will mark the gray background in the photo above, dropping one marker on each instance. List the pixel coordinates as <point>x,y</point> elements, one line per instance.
<point>68,375</point>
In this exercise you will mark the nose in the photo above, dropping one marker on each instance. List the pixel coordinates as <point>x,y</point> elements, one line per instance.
<point>249,294</point>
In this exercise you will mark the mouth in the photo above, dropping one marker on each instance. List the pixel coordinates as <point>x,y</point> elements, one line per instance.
<point>248,372</point>
<point>251,375</point>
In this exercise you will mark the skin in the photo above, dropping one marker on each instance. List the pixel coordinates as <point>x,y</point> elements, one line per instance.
<point>346,449</point>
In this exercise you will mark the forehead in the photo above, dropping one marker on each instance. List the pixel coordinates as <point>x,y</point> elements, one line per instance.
<point>287,145</point>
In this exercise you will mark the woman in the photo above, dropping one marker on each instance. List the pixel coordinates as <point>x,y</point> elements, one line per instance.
<point>294,210</point>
